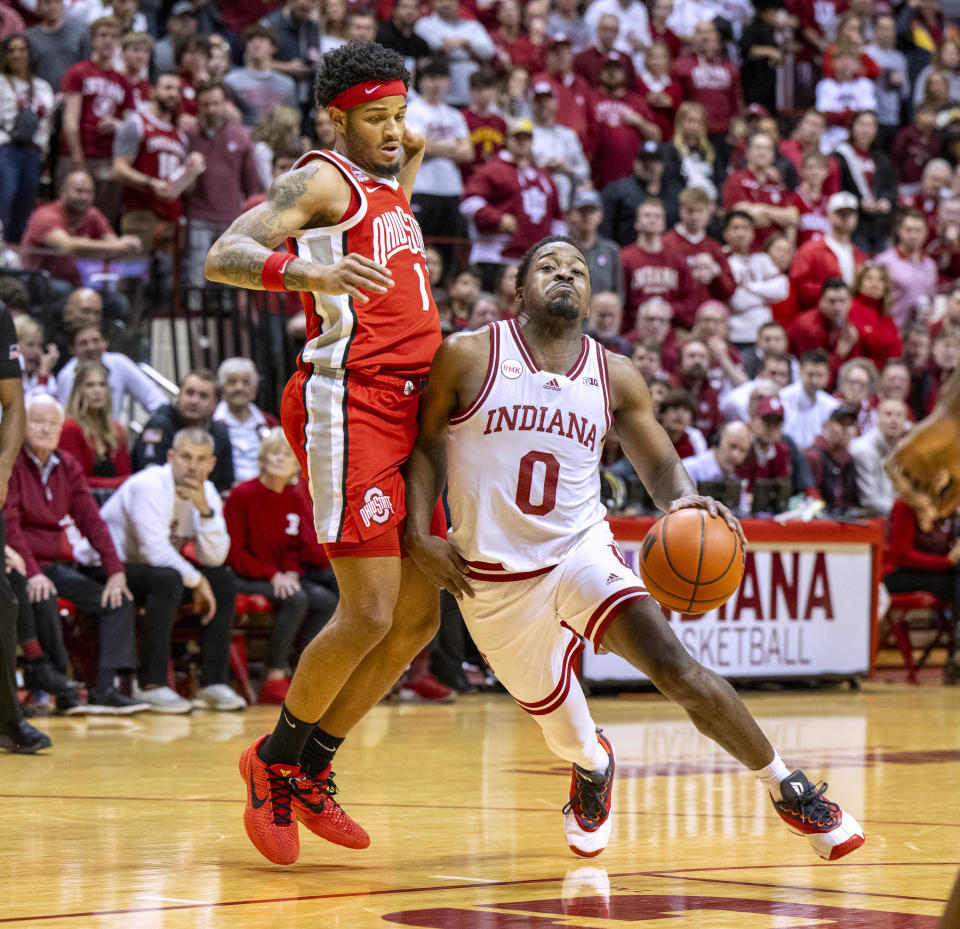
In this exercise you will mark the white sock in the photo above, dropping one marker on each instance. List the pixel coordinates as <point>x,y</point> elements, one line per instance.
<point>772,775</point>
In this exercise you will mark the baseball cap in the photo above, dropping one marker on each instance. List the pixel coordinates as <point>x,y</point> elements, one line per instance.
<point>558,38</point>
<point>649,149</point>
<point>758,110</point>
<point>843,200</point>
<point>587,198</point>
<point>183,7</point>
<point>542,87</point>
<point>843,414</point>
<point>769,406</point>
<point>520,125</point>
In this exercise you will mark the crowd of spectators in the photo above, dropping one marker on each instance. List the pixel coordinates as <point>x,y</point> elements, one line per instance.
<point>767,195</point>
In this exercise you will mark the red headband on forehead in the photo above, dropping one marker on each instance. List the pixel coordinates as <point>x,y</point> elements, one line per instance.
<point>367,91</point>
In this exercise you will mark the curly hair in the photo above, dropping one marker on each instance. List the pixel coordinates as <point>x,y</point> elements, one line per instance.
<point>355,63</point>
<point>527,259</point>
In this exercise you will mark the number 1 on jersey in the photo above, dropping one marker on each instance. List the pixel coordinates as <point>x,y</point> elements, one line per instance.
<point>551,477</point>
<point>424,293</point>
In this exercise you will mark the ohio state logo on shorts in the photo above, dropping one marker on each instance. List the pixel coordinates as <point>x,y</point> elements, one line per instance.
<point>376,508</point>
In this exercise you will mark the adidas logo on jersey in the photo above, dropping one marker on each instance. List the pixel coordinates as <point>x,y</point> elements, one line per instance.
<point>552,384</point>
<point>612,578</point>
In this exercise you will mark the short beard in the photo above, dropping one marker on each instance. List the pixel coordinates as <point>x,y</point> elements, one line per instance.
<point>561,306</point>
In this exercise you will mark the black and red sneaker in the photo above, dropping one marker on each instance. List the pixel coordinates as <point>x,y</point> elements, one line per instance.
<point>806,810</point>
<point>586,815</point>
<point>268,819</point>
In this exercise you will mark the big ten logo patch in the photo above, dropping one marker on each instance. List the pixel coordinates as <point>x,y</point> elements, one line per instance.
<point>377,507</point>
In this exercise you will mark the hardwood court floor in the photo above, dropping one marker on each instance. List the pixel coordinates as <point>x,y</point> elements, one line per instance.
<point>137,823</point>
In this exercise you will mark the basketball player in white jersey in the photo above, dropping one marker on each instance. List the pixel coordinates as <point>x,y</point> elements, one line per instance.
<point>514,417</point>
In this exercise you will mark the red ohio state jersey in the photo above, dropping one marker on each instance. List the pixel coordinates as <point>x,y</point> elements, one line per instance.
<point>396,332</point>
<point>163,150</point>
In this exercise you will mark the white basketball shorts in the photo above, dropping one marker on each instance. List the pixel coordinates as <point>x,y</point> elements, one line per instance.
<point>531,631</point>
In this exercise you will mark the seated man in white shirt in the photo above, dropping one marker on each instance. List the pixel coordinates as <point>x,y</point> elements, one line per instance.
<point>806,405</point>
<point>775,369</point>
<point>869,452</point>
<point>238,381</point>
<point>720,463</point>
<point>88,343</point>
<point>152,517</point>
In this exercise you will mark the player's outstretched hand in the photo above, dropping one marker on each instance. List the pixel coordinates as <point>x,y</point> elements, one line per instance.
<point>925,469</point>
<point>441,564</point>
<point>351,275</point>
<point>713,507</point>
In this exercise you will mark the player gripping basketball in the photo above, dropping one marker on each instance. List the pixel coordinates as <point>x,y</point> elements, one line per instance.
<point>532,558</point>
<point>350,414</point>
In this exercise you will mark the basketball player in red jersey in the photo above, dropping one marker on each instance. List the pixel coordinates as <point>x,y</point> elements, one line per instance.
<point>925,470</point>
<point>532,558</point>
<point>350,413</point>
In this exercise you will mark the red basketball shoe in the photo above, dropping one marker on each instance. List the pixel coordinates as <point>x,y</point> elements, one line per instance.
<point>314,805</point>
<point>804,808</point>
<point>586,816</point>
<point>267,818</point>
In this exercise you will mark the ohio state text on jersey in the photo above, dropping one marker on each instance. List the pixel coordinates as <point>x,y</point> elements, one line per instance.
<point>396,332</point>
<point>537,437</point>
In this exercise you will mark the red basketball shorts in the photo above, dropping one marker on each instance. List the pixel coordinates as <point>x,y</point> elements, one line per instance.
<point>352,435</point>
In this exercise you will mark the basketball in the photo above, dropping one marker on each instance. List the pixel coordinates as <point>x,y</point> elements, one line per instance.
<point>691,562</point>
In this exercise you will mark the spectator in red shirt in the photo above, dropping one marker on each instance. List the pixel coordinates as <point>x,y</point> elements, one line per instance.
<point>137,49</point>
<point>708,78</point>
<point>944,248</point>
<point>712,278</point>
<point>267,520</point>
<point>572,91</point>
<point>769,455</point>
<point>513,41</point>
<point>832,256</point>
<point>512,203</point>
<point>90,433</point>
<point>759,191</point>
<point>870,314</point>
<point>660,11</point>
<point>914,147</point>
<point>620,121</point>
<point>53,523</point>
<point>488,131</point>
<point>650,270</point>
<point>654,329</point>
<point>691,375</point>
<point>660,91</point>
<point>676,415</point>
<point>934,181</point>
<point>218,196</point>
<point>150,160</point>
<point>826,327</point>
<point>811,198</point>
<point>96,98</point>
<point>804,141</point>
<point>926,561</point>
<point>73,228</point>
<point>589,63</point>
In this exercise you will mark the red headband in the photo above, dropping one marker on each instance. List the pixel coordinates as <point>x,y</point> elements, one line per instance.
<point>367,91</point>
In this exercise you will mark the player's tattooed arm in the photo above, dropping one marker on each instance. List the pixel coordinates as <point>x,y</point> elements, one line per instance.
<point>237,257</point>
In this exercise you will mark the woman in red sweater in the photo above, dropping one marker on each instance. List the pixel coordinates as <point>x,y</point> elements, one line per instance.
<point>925,561</point>
<point>268,519</point>
<point>870,314</point>
<point>89,431</point>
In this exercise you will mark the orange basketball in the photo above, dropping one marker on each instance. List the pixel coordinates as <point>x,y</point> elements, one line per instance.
<point>691,562</point>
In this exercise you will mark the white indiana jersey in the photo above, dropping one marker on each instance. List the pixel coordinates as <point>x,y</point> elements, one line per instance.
<point>523,459</point>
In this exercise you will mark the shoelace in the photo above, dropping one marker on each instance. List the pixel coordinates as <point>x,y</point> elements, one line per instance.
<point>281,795</point>
<point>588,797</point>
<point>812,805</point>
<point>322,785</point>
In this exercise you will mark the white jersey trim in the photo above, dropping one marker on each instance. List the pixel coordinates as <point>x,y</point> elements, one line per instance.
<point>493,364</point>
